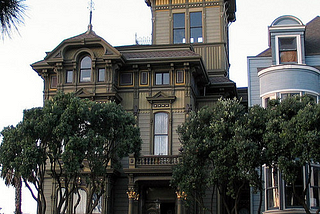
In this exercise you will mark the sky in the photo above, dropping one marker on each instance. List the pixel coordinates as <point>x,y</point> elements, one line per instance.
<point>49,22</point>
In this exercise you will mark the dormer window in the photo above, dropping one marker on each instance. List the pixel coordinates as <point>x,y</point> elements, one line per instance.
<point>288,50</point>
<point>85,69</point>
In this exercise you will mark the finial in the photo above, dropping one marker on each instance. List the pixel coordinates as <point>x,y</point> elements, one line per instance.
<point>91,8</point>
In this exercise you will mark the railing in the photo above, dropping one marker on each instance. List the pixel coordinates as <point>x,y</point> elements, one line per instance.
<point>154,161</point>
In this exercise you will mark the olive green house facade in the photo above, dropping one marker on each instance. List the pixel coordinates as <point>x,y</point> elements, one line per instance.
<point>185,68</point>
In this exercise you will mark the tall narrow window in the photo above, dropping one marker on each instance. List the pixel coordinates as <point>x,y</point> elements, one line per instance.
<point>179,28</point>
<point>85,69</point>
<point>291,199</point>
<point>81,198</point>
<point>161,138</point>
<point>101,75</point>
<point>53,81</point>
<point>272,188</point>
<point>69,76</point>
<point>144,78</point>
<point>196,27</point>
<point>315,188</point>
<point>288,50</point>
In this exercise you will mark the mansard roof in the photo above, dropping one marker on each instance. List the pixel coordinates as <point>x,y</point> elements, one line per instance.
<point>312,39</point>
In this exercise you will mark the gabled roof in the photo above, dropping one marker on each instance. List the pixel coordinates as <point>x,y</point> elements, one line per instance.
<point>312,39</point>
<point>312,34</point>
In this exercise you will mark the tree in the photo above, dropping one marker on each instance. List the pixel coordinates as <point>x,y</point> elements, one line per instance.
<point>11,15</point>
<point>214,156</point>
<point>10,151</point>
<point>68,136</point>
<point>292,143</point>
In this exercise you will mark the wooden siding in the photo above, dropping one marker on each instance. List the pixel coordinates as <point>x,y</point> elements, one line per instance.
<point>178,119</point>
<point>253,80</point>
<point>178,1</point>
<point>213,24</point>
<point>162,28</point>
<point>144,125</point>
<point>162,2</point>
<point>120,196</point>
<point>127,100</point>
<point>213,56</point>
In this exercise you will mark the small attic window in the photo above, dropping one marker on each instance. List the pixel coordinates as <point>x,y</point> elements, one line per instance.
<point>85,69</point>
<point>288,50</point>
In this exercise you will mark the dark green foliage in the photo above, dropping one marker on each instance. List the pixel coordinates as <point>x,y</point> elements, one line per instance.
<point>11,15</point>
<point>219,152</point>
<point>72,135</point>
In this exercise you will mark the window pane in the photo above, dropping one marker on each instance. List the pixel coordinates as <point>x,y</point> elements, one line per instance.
<point>69,77</point>
<point>291,200</point>
<point>144,78</point>
<point>81,208</point>
<point>178,20</point>
<point>196,35</point>
<point>288,49</point>
<point>158,78</point>
<point>161,134</point>
<point>86,62</point>
<point>196,27</point>
<point>179,28</point>
<point>196,19</point>
<point>165,78</point>
<point>161,123</point>
<point>179,36</point>
<point>272,188</point>
<point>288,43</point>
<point>126,79</point>
<point>54,81</point>
<point>180,77</point>
<point>101,75</point>
<point>315,185</point>
<point>161,145</point>
<point>85,75</point>
<point>98,208</point>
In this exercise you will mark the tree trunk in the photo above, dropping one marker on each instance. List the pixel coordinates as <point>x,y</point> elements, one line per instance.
<point>18,184</point>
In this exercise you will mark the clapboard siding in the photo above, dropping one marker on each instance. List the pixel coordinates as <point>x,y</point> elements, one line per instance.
<point>253,82</point>
<point>144,125</point>
<point>178,119</point>
<point>162,28</point>
<point>213,24</point>
<point>120,196</point>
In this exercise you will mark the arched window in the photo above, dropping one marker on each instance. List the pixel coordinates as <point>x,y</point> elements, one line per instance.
<point>161,137</point>
<point>85,69</point>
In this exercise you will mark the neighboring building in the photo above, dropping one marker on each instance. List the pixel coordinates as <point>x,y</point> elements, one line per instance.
<point>290,66</point>
<point>185,68</point>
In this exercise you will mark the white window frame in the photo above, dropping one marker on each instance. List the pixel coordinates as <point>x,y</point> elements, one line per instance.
<point>299,51</point>
<point>161,139</point>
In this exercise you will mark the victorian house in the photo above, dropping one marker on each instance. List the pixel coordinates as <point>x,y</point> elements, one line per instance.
<point>186,67</point>
<point>289,67</point>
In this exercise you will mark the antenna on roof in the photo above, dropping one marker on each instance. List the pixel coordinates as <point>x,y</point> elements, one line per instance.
<point>91,8</point>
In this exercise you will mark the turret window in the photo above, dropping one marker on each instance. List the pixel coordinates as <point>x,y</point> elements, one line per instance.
<point>85,69</point>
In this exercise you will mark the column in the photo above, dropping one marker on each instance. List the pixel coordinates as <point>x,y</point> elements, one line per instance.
<point>132,196</point>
